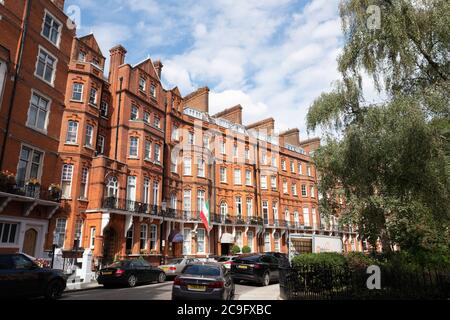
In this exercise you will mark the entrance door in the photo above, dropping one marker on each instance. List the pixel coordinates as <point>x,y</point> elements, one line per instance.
<point>29,242</point>
<point>109,245</point>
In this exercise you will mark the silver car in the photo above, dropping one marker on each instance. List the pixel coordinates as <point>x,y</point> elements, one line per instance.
<point>226,261</point>
<point>174,266</point>
<point>203,281</point>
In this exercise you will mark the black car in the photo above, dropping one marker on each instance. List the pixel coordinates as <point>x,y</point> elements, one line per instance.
<point>130,273</point>
<point>259,268</point>
<point>283,258</point>
<point>20,277</point>
<point>203,281</point>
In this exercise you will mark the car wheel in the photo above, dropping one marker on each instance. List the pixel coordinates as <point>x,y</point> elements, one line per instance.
<point>161,277</point>
<point>266,279</point>
<point>132,280</point>
<point>54,290</point>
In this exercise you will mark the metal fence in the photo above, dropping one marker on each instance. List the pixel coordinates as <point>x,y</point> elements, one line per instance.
<point>312,282</point>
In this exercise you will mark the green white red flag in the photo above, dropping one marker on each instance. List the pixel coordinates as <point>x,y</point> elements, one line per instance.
<point>205,216</point>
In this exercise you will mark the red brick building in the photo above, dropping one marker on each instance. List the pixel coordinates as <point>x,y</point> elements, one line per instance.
<point>35,45</point>
<point>136,162</point>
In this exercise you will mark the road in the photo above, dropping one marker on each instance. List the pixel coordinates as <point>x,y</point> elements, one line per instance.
<point>162,291</point>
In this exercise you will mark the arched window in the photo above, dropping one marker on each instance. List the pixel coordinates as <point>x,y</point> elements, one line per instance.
<point>112,187</point>
<point>223,210</point>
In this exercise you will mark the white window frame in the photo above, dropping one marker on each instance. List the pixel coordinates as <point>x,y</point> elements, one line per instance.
<point>3,72</point>
<point>142,84</point>
<point>237,173</point>
<point>273,182</point>
<point>264,182</point>
<point>93,97</point>
<point>52,80</point>
<point>187,166</point>
<point>200,168</point>
<point>30,162</point>
<point>249,207</point>
<point>130,153</point>
<point>134,114</point>
<point>201,238</point>
<point>47,114</point>
<point>89,137</point>
<point>58,234</point>
<point>153,236</point>
<point>248,177</point>
<point>60,29</point>
<point>75,90</point>
<point>146,190</point>
<point>147,150</point>
<point>84,183</point>
<point>306,220</point>
<point>187,200</point>
<point>187,241</point>
<point>92,232</point>
<point>68,180</point>
<point>143,237</point>
<point>8,236</point>
<point>157,153</point>
<point>223,174</point>
<point>101,144</point>
<point>104,106</point>
<point>72,141</point>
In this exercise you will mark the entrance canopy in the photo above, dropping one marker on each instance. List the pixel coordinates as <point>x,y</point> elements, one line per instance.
<point>175,236</point>
<point>227,238</point>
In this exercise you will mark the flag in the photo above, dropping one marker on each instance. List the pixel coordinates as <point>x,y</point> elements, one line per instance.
<point>204,215</point>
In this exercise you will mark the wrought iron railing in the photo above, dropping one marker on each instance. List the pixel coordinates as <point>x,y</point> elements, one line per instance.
<point>33,191</point>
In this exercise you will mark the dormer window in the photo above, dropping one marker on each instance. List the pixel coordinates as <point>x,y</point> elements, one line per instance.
<point>142,84</point>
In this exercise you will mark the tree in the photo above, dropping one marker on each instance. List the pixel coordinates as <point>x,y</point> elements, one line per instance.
<point>391,161</point>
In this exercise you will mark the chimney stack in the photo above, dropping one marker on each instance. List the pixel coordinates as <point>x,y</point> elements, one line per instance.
<point>158,67</point>
<point>59,4</point>
<point>117,58</point>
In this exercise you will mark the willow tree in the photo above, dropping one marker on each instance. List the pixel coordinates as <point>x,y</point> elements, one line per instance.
<point>390,160</point>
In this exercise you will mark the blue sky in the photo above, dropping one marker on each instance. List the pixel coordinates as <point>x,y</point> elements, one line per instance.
<point>271,56</point>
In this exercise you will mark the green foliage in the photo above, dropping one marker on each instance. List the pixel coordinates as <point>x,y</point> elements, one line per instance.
<point>390,161</point>
<point>235,249</point>
<point>246,249</point>
<point>326,259</point>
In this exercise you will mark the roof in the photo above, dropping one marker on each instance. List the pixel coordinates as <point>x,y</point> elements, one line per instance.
<point>227,111</point>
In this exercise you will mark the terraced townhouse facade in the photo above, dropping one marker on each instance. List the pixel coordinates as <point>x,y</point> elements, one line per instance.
<point>136,162</point>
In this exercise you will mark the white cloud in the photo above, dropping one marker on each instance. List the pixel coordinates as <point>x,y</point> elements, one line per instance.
<point>273,57</point>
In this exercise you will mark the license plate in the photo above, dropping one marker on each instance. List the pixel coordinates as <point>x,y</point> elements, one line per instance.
<point>165,268</point>
<point>242,267</point>
<point>106,273</point>
<point>193,287</point>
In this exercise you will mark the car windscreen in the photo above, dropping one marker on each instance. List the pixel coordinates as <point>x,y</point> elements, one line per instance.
<point>119,264</point>
<point>223,259</point>
<point>174,261</point>
<point>202,270</point>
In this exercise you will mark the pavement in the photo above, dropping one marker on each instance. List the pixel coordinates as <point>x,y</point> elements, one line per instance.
<point>159,291</point>
<point>271,292</point>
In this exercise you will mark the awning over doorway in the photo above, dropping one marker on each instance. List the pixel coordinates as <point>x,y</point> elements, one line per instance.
<point>175,236</point>
<point>227,238</point>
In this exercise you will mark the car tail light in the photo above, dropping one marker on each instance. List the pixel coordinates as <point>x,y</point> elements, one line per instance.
<point>172,268</point>
<point>119,272</point>
<point>257,266</point>
<point>216,284</point>
<point>178,282</point>
<point>228,262</point>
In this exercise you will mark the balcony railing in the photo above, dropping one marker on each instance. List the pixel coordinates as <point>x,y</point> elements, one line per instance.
<point>131,206</point>
<point>33,191</point>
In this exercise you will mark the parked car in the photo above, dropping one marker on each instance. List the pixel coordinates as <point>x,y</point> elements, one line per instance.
<point>130,273</point>
<point>173,267</point>
<point>259,268</point>
<point>21,277</point>
<point>283,258</point>
<point>226,261</point>
<point>202,281</point>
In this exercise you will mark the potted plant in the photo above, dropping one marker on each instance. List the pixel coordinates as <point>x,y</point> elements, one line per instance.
<point>55,191</point>
<point>7,181</point>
